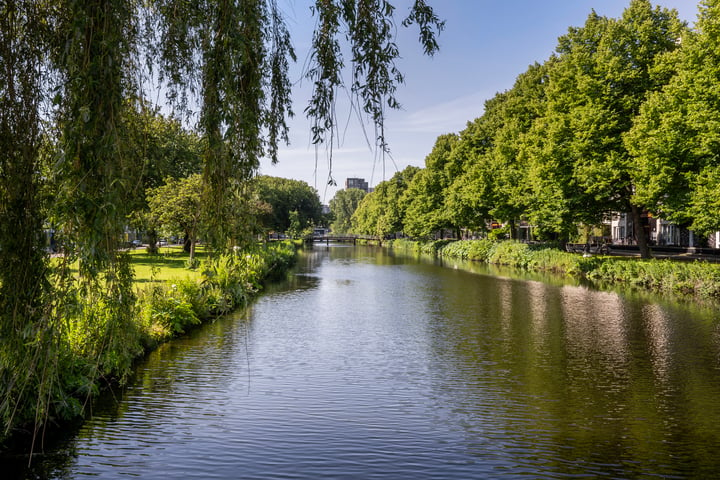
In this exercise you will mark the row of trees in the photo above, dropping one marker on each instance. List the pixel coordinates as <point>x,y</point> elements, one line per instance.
<point>623,118</point>
<point>268,204</point>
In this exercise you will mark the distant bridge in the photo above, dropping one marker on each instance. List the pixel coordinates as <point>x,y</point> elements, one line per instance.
<point>327,239</point>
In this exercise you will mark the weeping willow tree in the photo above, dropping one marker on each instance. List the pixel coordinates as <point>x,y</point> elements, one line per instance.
<point>86,59</point>
<point>234,55</point>
<point>26,362</point>
<point>369,27</point>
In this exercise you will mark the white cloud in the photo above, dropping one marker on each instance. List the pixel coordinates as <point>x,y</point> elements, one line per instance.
<point>446,117</point>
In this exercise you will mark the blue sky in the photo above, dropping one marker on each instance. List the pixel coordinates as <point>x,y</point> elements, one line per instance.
<point>485,45</point>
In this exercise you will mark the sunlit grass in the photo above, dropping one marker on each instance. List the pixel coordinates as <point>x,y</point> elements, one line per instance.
<point>168,264</point>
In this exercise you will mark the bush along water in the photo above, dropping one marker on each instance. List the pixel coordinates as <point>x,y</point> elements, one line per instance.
<point>695,279</point>
<point>91,349</point>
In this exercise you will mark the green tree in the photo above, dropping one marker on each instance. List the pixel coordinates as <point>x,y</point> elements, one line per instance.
<point>675,139</point>
<point>162,149</point>
<point>467,199</point>
<point>177,207</point>
<point>284,196</point>
<point>509,161</point>
<point>342,206</point>
<point>381,212</point>
<point>493,184</point>
<point>424,199</point>
<point>596,87</point>
<point>295,227</point>
<point>365,218</point>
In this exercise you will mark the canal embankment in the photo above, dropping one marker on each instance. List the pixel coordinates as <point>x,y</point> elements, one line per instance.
<point>91,351</point>
<point>696,279</point>
<point>368,363</point>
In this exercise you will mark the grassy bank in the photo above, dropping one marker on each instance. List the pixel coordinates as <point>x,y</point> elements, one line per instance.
<point>697,279</point>
<point>98,337</point>
<point>168,264</point>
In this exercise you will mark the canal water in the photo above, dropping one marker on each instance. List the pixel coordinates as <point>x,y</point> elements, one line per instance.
<point>368,365</point>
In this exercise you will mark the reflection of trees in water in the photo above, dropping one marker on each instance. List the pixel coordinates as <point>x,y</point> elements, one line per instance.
<point>174,381</point>
<point>581,377</point>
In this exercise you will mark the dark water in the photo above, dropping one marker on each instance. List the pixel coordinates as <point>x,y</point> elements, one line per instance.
<point>368,366</point>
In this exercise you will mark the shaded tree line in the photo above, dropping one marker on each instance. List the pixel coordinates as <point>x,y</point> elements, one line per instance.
<point>621,118</point>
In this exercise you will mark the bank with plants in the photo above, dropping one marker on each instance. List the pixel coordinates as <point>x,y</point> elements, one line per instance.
<point>91,349</point>
<point>696,279</point>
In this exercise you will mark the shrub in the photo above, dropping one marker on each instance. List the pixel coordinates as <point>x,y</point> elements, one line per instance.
<point>512,253</point>
<point>166,312</point>
<point>665,276</point>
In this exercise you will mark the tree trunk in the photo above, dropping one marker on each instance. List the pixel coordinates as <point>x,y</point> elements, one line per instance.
<point>152,241</point>
<point>187,243</point>
<point>639,232</point>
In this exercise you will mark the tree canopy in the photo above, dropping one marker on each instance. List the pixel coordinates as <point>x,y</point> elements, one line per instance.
<point>285,196</point>
<point>176,207</point>
<point>622,118</point>
<point>342,207</point>
<point>382,211</point>
<point>675,140</point>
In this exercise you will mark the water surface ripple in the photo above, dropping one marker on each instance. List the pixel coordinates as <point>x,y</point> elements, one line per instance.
<point>369,366</point>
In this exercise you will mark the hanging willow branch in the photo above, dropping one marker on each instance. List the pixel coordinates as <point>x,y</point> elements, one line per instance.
<point>96,64</point>
<point>238,53</point>
<point>234,55</point>
<point>27,335</point>
<point>369,26</point>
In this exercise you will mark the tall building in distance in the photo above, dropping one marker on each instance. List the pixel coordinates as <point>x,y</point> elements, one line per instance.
<point>356,183</point>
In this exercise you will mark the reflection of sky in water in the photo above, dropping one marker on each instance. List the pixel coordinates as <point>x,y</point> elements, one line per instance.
<point>537,298</point>
<point>365,365</point>
<point>595,323</point>
<point>658,332</point>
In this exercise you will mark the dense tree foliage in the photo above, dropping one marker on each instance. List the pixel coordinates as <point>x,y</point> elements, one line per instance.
<point>176,206</point>
<point>424,200</point>
<point>162,149</point>
<point>622,118</point>
<point>596,87</point>
<point>24,286</point>
<point>382,212</point>
<point>283,197</point>
<point>342,207</point>
<point>676,140</point>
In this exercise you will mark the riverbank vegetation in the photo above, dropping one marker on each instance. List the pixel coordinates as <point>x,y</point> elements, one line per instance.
<point>621,119</point>
<point>166,299</point>
<point>700,280</point>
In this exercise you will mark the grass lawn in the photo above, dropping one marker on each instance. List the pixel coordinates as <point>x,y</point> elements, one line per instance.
<point>168,264</point>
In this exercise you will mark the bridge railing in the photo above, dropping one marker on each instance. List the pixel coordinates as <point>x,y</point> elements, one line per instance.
<point>340,238</point>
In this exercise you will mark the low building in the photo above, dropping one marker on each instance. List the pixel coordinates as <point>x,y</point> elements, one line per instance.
<point>659,232</point>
